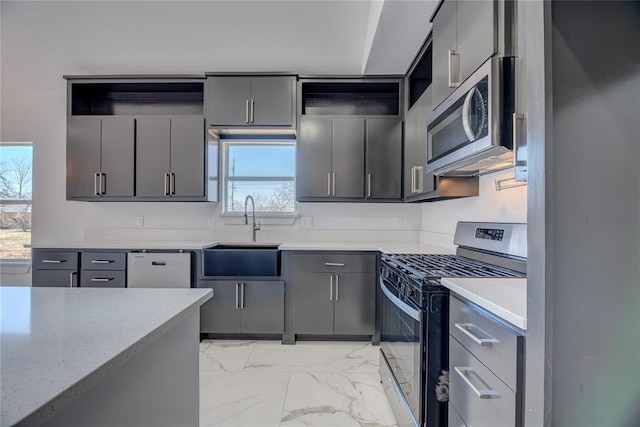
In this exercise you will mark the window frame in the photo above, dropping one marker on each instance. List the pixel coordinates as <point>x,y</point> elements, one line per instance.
<point>225,178</point>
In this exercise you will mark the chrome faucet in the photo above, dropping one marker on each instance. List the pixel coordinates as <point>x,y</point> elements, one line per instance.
<point>254,227</point>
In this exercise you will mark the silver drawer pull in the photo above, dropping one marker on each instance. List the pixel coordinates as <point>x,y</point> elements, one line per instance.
<point>54,261</point>
<point>102,261</point>
<point>334,264</point>
<point>102,279</point>
<point>488,393</point>
<point>465,329</point>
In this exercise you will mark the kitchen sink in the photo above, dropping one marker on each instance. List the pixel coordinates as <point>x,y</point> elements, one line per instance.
<point>241,260</point>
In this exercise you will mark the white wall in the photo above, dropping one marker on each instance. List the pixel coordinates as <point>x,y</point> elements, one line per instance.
<point>439,219</point>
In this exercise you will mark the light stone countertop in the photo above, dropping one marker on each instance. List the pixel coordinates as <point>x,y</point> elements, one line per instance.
<point>506,298</point>
<point>385,247</point>
<point>59,342</point>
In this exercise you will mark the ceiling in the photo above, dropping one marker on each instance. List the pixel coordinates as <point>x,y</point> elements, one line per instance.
<point>138,37</point>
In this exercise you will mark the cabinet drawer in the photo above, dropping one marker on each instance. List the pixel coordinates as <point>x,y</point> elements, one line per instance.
<point>103,261</point>
<point>340,262</point>
<point>102,279</point>
<point>54,278</point>
<point>55,260</point>
<point>467,379</point>
<point>493,345</point>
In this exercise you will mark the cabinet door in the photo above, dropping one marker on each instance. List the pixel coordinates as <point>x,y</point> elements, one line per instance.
<point>355,303</point>
<point>416,182</point>
<point>221,314</point>
<point>262,305</point>
<point>477,38</point>
<point>384,158</point>
<point>187,156</point>
<point>228,101</point>
<point>444,39</point>
<point>313,155</point>
<point>272,99</point>
<point>153,151</point>
<point>83,156</point>
<point>347,157</point>
<point>55,278</point>
<point>118,154</point>
<point>312,304</point>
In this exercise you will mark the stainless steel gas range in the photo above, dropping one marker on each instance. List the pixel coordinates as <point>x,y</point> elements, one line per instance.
<point>414,314</point>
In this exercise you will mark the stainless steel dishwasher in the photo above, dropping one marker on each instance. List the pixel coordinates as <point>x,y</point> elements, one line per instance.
<point>159,270</point>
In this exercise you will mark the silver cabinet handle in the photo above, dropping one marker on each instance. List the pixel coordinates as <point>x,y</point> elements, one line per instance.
<point>329,184</point>
<point>252,110</point>
<point>333,185</point>
<point>96,184</point>
<point>53,261</point>
<point>102,279</point>
<point>237,299</point>
<point>73,273</point>
<point>166,184</point>
<point>413,180</point>
<point>103,183</point>
<point>337,286</point>
<point>463,371</point>
<point>465,329</point>
<point>518,118</point>
<point>331,287</point>
<point>242,296</point>
<point>172,183</point>
<point>451,82</point>
<point>246,112</point>
<point>419,179</point>
<point>368,185</point>
<point>334,264</point>
<point>102,261</point>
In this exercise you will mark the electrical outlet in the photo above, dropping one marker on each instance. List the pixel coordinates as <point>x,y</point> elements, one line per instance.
<point>307,222</point>
<point>212,221</point>
<point>397,223</point>
<point>140,221</point>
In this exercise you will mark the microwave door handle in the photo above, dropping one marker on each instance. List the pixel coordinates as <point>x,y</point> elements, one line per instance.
<point>466,114</point>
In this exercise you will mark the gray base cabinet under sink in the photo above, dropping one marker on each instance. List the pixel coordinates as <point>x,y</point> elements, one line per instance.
<point>243,307</point>
<point>332,294</point>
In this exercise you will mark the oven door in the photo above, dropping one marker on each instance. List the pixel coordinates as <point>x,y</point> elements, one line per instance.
<point>401,342</point>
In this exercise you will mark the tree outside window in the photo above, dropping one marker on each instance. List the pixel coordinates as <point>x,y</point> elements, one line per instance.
<point>16,165</point>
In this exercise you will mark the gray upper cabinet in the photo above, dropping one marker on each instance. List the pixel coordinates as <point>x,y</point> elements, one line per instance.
<point>100,157</point>
<point>251,101</point>
<point>330,158</point>
<point>416,182</point>
<point>170,157</point>
<point>383,158</point>
<point>464,37</point>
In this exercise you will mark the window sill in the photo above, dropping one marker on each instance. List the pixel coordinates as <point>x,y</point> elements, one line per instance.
<point>263,218</point>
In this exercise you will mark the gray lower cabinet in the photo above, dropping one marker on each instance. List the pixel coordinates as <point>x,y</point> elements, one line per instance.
<point>248,307</point>
<point>54,268</point>
<point>103,269</point>
<point>333,294</point>
<point>485,368</point>
<point>251,101</point>
<point>100,157</point>
<point>170,157</point>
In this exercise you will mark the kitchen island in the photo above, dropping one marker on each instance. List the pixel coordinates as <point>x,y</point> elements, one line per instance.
<point>92,356</point>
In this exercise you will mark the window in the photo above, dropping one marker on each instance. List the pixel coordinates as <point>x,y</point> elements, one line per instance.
<point>264,170</point>
<point>16,161</point>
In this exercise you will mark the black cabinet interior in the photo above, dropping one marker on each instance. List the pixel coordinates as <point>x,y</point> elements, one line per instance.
<point>350,98</point>
<point>420,77</point>
<point>184,98</point>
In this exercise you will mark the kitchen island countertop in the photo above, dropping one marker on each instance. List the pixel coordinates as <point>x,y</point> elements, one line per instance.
<point>57,343</point>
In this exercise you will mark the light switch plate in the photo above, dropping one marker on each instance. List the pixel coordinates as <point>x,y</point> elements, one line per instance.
<point>140,221</point>
<point>307,222</point>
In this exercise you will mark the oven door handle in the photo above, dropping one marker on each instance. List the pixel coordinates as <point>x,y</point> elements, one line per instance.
<point>415,314</point>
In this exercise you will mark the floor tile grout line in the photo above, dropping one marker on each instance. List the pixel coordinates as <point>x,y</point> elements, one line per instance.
<point>284,401</point>
<point>253,347</point>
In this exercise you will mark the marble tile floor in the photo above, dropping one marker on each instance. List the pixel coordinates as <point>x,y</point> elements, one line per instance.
<point>265,383</point>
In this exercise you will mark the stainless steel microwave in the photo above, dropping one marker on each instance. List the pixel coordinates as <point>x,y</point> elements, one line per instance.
<point>471,132</point>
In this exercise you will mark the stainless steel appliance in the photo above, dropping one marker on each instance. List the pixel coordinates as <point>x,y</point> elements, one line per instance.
<point>472,131</point>
<point>159,270</point>
<point>414,314</point>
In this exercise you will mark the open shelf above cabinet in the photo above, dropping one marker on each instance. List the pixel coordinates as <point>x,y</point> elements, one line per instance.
<point>351,98</point>
<point>133,99</point>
